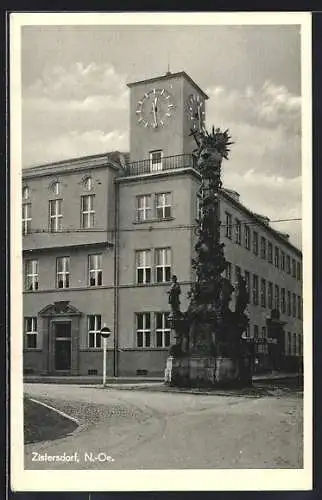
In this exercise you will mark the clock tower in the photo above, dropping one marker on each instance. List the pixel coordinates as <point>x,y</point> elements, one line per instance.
<point>163,111</point>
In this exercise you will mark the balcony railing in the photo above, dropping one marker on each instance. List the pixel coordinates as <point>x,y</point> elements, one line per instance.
<point>166,163</point>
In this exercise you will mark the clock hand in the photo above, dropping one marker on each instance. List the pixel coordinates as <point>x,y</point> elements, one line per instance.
<point>155,110</point>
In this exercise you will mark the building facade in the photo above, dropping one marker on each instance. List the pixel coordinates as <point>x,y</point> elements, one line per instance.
<point>102,236</point>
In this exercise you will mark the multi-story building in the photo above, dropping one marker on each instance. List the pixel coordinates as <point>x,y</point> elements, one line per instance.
<point>104,234</point>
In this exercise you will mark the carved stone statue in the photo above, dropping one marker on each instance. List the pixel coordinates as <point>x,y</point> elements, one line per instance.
<point>174,294</point>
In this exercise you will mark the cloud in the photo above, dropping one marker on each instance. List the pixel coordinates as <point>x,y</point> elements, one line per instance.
<point>79,110</point>
<point>83,109</point>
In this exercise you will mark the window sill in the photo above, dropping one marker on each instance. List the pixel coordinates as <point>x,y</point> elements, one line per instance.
<point>150,221</point>
<point>32,349</point>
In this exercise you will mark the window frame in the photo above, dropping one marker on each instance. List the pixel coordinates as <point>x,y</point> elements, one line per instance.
<point>165,330</point>
<point>26,218</point>
<point>94,333</point>
<point>277,257</point>
<point>238,232</point>
<point>89,214</point>
<point>31,333</point>
<point>247,236</point>
<point>166,268</point>
<point>64,273</point>
<point>164,206</point>
<point>263,292</point>
<point>146,210</point>
<point>228,225</point>
<point>263,247</point>
<point>146,332</point>
<point>270,252</point>
<point>96,271</point>
<point>156,166</point>
<point>270,295</point>
<point>31,278</point>
<point>255,294</point>
<point>56,217</point>
<point>144,251</point>
<point>255,242</point>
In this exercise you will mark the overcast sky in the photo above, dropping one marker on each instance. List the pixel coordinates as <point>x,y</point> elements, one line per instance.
<point>75,99</point>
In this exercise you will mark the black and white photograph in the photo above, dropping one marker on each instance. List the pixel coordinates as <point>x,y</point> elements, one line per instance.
<point>160,238</point>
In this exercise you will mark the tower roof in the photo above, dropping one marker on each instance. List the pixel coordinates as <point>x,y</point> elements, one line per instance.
<point>167,76</point>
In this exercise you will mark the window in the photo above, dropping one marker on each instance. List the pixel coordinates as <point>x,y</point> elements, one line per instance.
<point>143,266</point>
<point>255,242</point>
<point>162,330</point>
<point>228,225</point>
<point>270,252</point>
<point>255,289</point>
<point>55,215</point>
<point>31,275</point>
<point>294,346</point>
<point>247,237</point>
<point>289,305</point>
<point>263,292</point>
<point>294,305</point>
<point>237,272</point>
<point>264,332</point>
<point>289,343</point>
<point>62,266</point>
<point>299,307</point>
<point>143,207</point>
<point>95,270</point>
<point>88,184</point>
<point>238,232</point>
<point>293,268</point>
<point>256,331</point>
<point>270,295</point>
<point>143,330</point>
<point>163,264</point>
<point>56,188</point>
<point>298,271</point>
<point>282,261</point>
<point>247,279</point>
<point>163,205</point>
<point>263,247</point>
<point>26,218</point>
<point>156,160</point>
<point>94,331</point>
<point>277,257</point>
<point>288,264</point>
<point>228,271</point>
<point>87,211</point>
<point>25,193</point>
<point>277,297</point>
<point>283,304</point>
<point>31,333</point>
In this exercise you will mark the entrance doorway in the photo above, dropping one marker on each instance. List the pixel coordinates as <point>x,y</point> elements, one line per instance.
<point>63,346</point>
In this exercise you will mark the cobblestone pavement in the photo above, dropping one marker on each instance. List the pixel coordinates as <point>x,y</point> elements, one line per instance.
<point>130,429</point>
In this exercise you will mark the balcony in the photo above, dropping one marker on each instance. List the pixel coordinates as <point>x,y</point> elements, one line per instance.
<point>164,164</point>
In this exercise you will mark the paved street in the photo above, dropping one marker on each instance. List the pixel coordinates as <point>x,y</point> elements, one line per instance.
<point>129,429</point>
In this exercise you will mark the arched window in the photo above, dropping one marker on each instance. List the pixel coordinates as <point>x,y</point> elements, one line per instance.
<point>56,187</point>
<point>88,184</point>
<point>25,193</point>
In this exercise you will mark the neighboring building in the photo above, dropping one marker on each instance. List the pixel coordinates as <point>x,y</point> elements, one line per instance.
<point>103,235</point>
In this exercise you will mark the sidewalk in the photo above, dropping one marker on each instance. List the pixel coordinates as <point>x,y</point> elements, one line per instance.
<point>130,381</point>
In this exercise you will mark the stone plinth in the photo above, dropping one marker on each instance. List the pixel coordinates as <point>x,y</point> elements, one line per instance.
<point>201,371</point>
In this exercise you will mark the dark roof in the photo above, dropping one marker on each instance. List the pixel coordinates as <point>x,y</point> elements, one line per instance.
<point>260,220</point>
<point>167,76</point>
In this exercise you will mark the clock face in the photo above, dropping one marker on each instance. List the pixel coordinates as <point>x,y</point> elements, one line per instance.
<point>196,111</point>
<point>155,108</point>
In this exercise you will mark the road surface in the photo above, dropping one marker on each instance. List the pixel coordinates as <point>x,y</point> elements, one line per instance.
<point>129,429</point>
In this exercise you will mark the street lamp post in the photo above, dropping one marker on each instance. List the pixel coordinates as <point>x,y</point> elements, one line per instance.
<point>105,333</point>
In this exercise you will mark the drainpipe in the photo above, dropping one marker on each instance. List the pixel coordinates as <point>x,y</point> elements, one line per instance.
<point>116,276</point>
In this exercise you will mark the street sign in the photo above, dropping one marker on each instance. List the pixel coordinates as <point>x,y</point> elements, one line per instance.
<point>105,332</point>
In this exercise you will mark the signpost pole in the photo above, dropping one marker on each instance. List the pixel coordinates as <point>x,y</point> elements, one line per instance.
<point>104,359</point>
<point>105,333</point>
